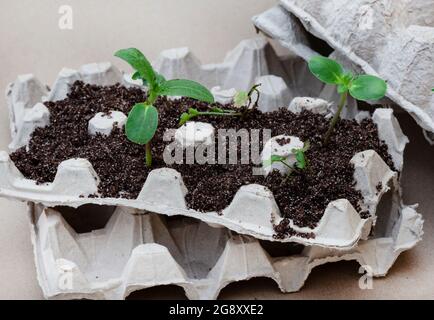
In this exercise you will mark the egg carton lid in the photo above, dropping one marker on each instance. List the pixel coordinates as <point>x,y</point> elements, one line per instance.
<point>391,39</point>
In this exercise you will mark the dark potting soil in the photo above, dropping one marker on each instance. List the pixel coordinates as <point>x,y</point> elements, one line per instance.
<point>121,167</point>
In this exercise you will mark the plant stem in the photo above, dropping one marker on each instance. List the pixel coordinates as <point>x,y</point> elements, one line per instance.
<point>288,176</point>
<point>336,116</point>
<point>148,154</point>
<point>219,114</point>
<point>150,101</point>
<point>284,163</point>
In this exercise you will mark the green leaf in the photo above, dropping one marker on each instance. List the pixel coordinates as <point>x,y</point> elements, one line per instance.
<point>136,76</point>
<point>367,87</point>
<point>326,70</point>
<point>139,62</point>
<point>159,78</point>
<point>241,99</point>
<point>185,117</point>
<point>142,123</point>
<point>301,159</point>
<point>300,155</point>
<point>347,78</point>
<point>186,88</point>
<point>193,111</point>
<point>219,110</point>
<point>342,88</point>
<point>273,158</point>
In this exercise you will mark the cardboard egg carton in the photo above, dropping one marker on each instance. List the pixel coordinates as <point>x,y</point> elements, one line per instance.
<point>253,211</point>
<point>390,39</point>
<point>135,250</point>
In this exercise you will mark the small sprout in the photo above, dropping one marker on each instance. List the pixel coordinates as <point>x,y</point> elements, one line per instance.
<point>361,87</point>
<point>274,158</point>
<point>242,100</point>
<point>159,78</point>
<point>192,113</point>
<point>142,122</point>
<point>300,156</point>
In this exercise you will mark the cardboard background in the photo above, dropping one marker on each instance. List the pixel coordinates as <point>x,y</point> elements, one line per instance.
<point>32,42</point>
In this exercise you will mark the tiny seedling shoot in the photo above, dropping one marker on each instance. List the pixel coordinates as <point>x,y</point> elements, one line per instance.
<point>242,101</point>
<point>142,122</point>
<point>301,163</point>
<point>361,87</point>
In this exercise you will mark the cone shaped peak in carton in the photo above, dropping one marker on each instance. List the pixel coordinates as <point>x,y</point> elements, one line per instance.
<point>36,117</point>
<point>319,106</point>
<point>103,122</point>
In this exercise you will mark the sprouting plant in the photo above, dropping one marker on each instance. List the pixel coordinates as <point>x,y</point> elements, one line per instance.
<point>301,163</point>
<point>242,101</point>
<point>192,113</point>
<point>142,122</point>
<point>300,156</point>
<point>362,87</point>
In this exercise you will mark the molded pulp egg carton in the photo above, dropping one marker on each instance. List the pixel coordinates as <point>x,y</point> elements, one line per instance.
<point>253,209</point>
<point>124,256</point>
<point>136,251</point>
<point>391,39</point>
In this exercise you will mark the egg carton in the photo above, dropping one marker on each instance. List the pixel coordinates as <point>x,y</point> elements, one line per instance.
<point>253,211</point>
<point>390,39</point>
<point>135,250</point>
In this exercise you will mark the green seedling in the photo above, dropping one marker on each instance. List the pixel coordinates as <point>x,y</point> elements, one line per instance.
<point>300,156</point>
<point>142,122</point>
<point>193,113</point>
<point>242,100</point>
<point>361,87</point>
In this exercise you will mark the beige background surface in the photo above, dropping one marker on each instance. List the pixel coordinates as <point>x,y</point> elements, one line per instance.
<point>30,41</point>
